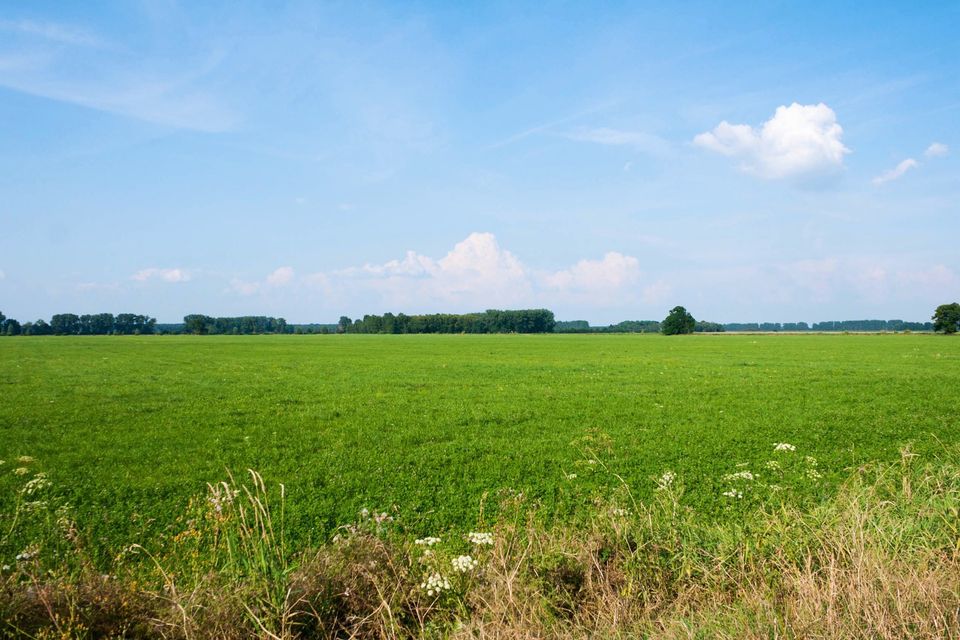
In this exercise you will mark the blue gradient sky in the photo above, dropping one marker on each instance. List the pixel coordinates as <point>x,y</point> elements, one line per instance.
<point>311,161</point>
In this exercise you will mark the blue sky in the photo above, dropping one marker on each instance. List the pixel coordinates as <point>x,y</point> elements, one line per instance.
<point>784,162</point>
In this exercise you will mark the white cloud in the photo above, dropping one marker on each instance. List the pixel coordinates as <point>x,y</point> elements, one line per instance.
<point>799,140</point>
<point>937,150</point>
<point>613,273</point>
<point>280,277</point>
<point>478,274</point>
<point>896,172</point>
<point>165,275</point>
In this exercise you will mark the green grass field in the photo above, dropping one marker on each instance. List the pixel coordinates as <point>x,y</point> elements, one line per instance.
<point>129,428</point>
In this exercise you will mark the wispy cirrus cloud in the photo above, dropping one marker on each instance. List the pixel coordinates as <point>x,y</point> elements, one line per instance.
<point>53,32</point>
<point>70,64</point>
<point>897,172</point>
<point>937,150</point>
<point>638,140</point>
<point>162,275</point>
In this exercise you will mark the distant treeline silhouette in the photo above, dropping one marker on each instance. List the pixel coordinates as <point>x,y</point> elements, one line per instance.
<point>652,326</point>
<point>490,321</point>
<point>71,324</point>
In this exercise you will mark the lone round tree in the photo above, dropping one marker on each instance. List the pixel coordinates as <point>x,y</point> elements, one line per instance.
<point>678,321</point>
<point>947,318</point>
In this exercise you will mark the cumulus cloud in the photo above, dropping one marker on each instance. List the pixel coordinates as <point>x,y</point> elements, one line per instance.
<point>798,141</point>
<point>477,268</point>
<point>937,150</point>
<point>280,277</point>
<point>164,275</point>
<point>614,272</point>
<point>896,172</point>
<point>478,273</point>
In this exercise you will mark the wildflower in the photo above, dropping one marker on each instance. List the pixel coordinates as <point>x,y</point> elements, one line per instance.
<point>480,538</point>
<point>783,446</point>
<point>21,471</point>
<point>364,513</point>
<point>38,483</point>
<point>435,584</point>
<point>380,518</point>
<point>666,480</point>
<point>733,493</point>
<point>621,512</point>
<point>5,568</point>
<point>464,564</point>
<point>591,461</point>
<point>739,475</point>
<point>27,554</point>
<point>429,541</point>
<point>773,465</point>
<point>25,459</point>
<point>570,476</point>
<point>813,474</point>
<point>810,460</point>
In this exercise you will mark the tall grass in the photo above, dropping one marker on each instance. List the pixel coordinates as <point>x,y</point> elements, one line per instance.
<point>880,559</point>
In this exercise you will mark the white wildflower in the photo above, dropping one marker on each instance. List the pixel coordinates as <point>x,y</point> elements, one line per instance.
<point>666,480</point>
<point>591,461</point>
<point>464,564</point>
<point>739,475</point>
<point>621,512</point>
<point>813,474</point>
<point>429,541</point>
<point>570,476</point>
<point>5,568</point>
<point>733,493</point>
<point>25,459</point>
<point>382,517</point>
<point>364,513</point>
<point>38,483</point>
<point>21,471</point>
<point>480,538</point>
<point>773,465</point>
<point>435,584</point>
<point>27,554</point>
<point>783,446</point>
<point>810,460</point>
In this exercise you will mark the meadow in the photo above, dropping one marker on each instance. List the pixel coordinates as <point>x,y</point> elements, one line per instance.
<point>435,430</point>
<point>491,486</point>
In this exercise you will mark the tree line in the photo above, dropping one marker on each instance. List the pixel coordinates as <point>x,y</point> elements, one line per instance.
<point>490,321</point>
<point>71,324</point>
<point>241,325</point>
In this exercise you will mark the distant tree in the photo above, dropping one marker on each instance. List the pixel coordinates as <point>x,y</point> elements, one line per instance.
<point>344,324</point>
<point>65,324</point>
<point>10,327</point>
<point>196,324</point>
<point>678,321</point>
<point>947,318</point>
<point>2,317</point>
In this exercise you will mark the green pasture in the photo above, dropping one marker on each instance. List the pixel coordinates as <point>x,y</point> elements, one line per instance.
<point>128,429</point>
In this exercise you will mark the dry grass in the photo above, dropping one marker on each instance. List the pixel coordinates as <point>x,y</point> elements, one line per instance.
<point>880,560</point>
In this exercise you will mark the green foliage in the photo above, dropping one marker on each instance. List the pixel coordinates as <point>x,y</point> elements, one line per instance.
<point>947,318</point>
<point>490,321</point>
<point>678,321</point>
